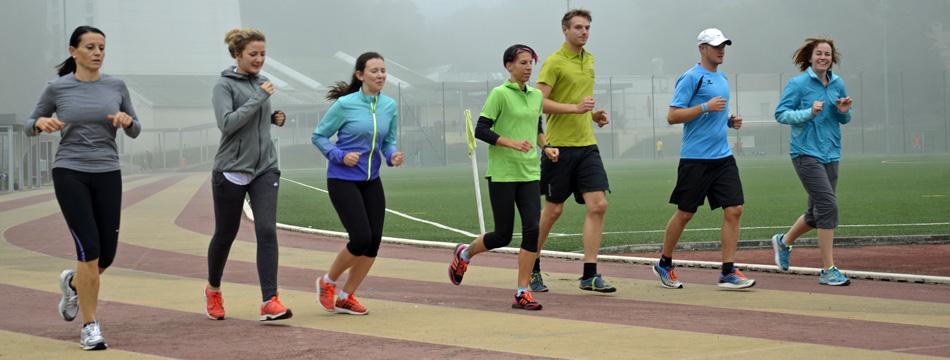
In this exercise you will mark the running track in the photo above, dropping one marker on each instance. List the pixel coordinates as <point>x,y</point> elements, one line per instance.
<point>152,300</point>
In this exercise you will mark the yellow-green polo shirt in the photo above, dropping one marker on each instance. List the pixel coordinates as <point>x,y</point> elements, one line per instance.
<point>571,78</point>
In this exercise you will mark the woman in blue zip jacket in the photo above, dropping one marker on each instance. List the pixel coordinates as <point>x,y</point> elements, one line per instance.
<point>815,149</point>
<point>364,121</point>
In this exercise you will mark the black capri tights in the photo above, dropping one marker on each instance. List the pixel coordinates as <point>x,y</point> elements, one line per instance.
<point>91,204</point>
<point>504,197</point>
<point>361,206</point>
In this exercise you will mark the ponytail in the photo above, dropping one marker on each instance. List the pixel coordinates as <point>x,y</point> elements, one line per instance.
<point>341,88</point>
<point>67,66</point>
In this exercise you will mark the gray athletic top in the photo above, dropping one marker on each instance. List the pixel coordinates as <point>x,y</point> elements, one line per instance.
<point>87,141</point>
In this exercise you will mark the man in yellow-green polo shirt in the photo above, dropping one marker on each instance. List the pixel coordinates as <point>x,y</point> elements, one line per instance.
<point>567,83</point>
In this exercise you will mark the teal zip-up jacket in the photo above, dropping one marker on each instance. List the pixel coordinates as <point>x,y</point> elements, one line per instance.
<point>364,124</point>
<point>817,136</point>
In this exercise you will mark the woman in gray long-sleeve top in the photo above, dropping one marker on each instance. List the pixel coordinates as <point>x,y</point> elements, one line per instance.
<point>246,164</point>
<point>90,107</point>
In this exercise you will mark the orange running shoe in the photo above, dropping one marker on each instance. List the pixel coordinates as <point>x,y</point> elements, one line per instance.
<point>458,266</point>
<point>325,293</point>
<point>525,301</point>
<point>350,306</point>
<point>215,306</point>
<point>274,310</point>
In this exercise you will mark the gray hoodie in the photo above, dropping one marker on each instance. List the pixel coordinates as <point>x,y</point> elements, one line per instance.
<point>243,112</point>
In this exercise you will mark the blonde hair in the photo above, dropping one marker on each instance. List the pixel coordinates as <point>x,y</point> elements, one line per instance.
<point>802,56</point>
<point>237,39</point>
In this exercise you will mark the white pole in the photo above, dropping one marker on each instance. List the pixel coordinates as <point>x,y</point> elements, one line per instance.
<point>478,193</point>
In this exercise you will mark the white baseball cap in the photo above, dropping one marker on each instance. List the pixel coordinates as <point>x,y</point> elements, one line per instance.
<point>712,36</point>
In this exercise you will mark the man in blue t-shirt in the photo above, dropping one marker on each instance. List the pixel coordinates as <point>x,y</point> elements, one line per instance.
<point>707,168</point>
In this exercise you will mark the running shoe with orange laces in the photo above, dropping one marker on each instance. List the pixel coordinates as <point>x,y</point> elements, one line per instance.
<point>735,280</point>
<point>215,304</point>
<point>350,306</point>
<point>525,301</point>
<point>458,266</point>
<point>325,293</point>
<point>274,310</point>
<point>668,278</point>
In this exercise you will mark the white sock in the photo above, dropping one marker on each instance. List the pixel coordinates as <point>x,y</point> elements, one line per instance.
<point>343,295</point>
<point>326,279</point>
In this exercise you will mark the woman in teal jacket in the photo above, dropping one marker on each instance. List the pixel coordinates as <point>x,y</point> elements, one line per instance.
<point>815,149</point>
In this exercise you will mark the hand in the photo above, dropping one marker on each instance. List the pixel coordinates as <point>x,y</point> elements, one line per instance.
<point>278,118</point>
<point>396,158</point>
<point>816,107</point>
<point>552,153</point>
<point>268,87</point>
<point>600,117</point>
<point>735,122</point>
<point>844,104</point>
<point>716,104</point>
<point>351,158</point>
<point>522,146</point>
<point>48,125</point>
<point>584,106</point>
<point>120,119</point>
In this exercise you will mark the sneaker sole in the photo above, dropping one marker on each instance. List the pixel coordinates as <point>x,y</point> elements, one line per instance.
<point>214,318</point>
<point>516,306</point>
<point>284,315</point>
<point>600,290</point>
<point>96,346</point>
<point>731,286</point>
<point>775,250</point>
<point>350,312</point>
<point>845,283</point>
<point>663,284</point>
<point>64,298</point>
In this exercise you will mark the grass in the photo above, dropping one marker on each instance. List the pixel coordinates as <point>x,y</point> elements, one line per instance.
<point>871,191</point>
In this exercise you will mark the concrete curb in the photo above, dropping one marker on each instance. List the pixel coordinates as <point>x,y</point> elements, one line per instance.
<point>866,275</point>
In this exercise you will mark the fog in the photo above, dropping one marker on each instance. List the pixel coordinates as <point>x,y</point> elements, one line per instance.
<point>442,57</point>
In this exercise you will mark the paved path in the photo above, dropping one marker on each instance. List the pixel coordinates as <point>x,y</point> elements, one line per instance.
<point>152,301</point>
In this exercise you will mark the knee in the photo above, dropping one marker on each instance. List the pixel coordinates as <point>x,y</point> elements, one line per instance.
<point>553,212</point>
<point>360,243</point>
<point>597,207</point>
<point>733,213</point>
<point>683,216</point>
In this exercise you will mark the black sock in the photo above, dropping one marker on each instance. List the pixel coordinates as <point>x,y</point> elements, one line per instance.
<point>727,268</point>
<point>666,262</point>
<point>537,265</point>
<point>590,269</point>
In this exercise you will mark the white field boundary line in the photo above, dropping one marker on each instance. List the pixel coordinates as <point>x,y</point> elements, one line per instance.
<point>553,234</point>
<point>397,213</point>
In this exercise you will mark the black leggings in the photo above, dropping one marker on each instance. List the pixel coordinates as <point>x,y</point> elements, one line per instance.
<point>228,204</point>
<point>504,196</point>
<point>361,206</point>
<point>91,204</point>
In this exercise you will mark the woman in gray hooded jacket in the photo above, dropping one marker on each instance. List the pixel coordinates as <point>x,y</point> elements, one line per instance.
<point>245,165</point>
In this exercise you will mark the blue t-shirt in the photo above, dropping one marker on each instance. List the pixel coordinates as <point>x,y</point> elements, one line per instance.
<point>703,137</point>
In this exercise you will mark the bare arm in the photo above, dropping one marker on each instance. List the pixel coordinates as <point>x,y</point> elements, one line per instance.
<point>554,107</point>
